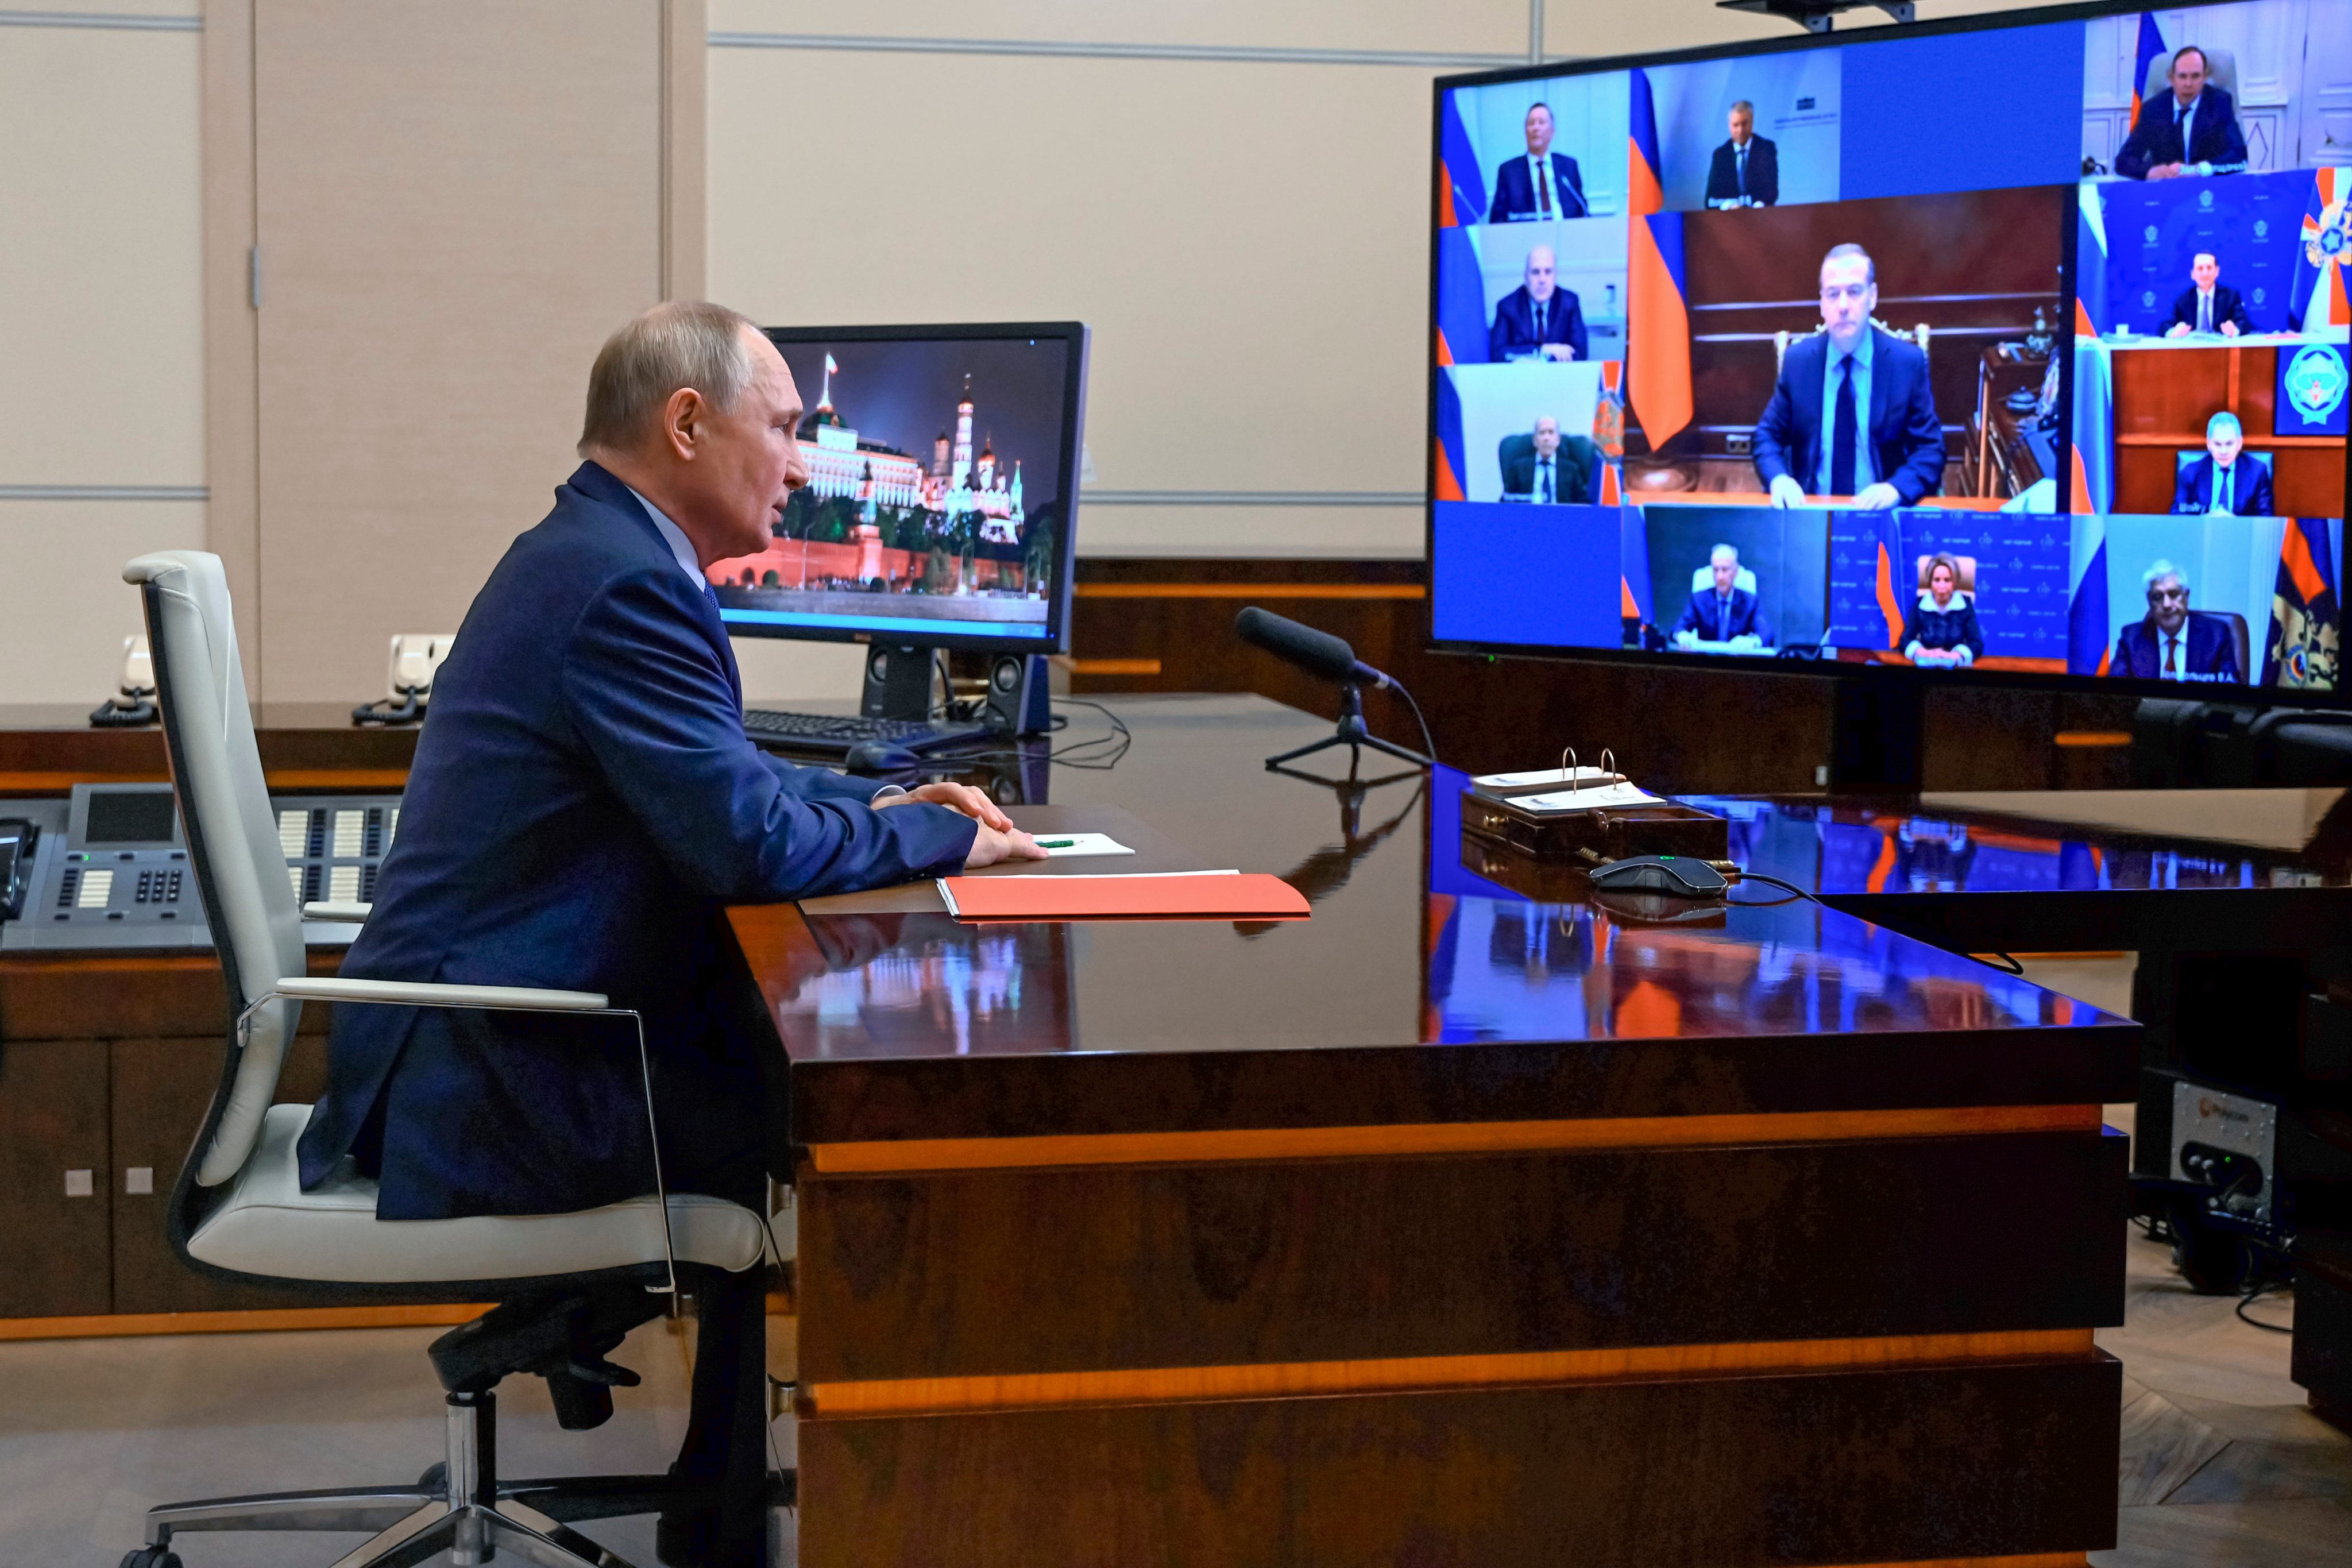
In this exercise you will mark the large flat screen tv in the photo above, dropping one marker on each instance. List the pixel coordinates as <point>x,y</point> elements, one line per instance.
<point>2007,347</point>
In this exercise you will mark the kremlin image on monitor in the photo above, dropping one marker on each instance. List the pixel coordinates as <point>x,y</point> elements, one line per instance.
<point>933,494</point>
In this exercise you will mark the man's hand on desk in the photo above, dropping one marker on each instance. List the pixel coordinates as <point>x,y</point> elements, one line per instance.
<point>997,840</point>
<point>973,803</point>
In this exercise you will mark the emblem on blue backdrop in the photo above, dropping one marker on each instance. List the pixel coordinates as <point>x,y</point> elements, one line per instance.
<point>2316,382</point>
<point>2261,295</point>
<point>2151,234</point>
<point>2313,385</point>
<point>2205,198</point>
<point>2262,228</point>
<point>2148,299</point>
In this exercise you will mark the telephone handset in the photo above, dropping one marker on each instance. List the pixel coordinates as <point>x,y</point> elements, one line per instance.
<point>415,659</point>
<point>134,704</point>
<point>17,838</point>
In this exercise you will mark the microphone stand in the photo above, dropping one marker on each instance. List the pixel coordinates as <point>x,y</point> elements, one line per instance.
<point>1351,733</point>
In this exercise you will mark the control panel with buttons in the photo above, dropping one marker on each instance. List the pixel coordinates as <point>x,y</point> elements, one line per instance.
<point>111,869</point>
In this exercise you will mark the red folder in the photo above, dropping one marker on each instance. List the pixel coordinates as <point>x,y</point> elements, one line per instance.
<point>1244,896</point>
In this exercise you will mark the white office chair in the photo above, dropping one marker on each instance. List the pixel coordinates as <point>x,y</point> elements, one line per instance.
<point>1744,580</point>
<point>569,1285</point>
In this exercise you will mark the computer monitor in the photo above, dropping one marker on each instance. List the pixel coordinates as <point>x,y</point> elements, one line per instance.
<point>943,485</point>
<point>1931,351</point>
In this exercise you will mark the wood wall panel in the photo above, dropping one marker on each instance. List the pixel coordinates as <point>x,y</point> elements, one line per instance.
<point>53,1119</point>
<point>1758,271</point>
<point>1680,729</point>
<point>1027,1271</point>
<point>1883,1467</point>
<point>2163,399</point>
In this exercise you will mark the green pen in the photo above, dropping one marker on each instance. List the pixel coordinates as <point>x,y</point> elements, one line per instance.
<point>1057,844</point>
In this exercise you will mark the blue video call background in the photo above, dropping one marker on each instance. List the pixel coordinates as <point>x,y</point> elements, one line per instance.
<point>2021,563</point>
<point>2250,223</point>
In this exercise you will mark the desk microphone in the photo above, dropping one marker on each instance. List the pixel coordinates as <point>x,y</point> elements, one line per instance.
<point>1317,653</point>
<point>1321,654</point>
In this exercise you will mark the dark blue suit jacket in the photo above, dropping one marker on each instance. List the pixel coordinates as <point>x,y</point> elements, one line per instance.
<point>1515,191</point>
<point>2229,305</point>
<point>1747,617</point>
<point>2155,140</point>
<point>1907,440</point>
<point>2209,648</point>
<point>2193,490</point>
<point>1763,173</point>
<point>1514,332</point>
<point>581,807</point>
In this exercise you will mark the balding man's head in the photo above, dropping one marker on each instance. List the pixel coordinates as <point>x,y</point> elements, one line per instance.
<point>692,407</point>
<point>1542,272</point>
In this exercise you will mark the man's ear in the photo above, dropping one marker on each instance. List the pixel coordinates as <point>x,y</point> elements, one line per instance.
<point>682,418</point>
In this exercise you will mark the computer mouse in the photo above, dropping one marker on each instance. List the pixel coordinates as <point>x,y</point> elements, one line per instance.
<point>1673,874</point>
<point>880,757</point>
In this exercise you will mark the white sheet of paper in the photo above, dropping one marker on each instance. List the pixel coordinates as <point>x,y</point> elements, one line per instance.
<point>1542,776</point>
<point>1619,795</point>
<point>1059,845</point>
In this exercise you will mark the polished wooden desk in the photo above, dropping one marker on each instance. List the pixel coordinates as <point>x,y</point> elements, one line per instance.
<point>1449,1225</point>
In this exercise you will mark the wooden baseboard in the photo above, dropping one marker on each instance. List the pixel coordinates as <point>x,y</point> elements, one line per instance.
<point>276,1320</point>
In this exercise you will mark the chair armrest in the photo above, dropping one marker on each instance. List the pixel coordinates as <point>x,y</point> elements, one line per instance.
<point>413,995</point>
<point>333,911</point>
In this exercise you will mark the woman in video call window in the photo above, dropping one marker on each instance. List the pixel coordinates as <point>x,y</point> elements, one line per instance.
<point>1941,632</point>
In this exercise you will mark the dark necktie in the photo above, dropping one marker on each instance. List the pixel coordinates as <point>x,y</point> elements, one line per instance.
<point>2221,486</point>
<point>1743,171</point>
<point>1842,433</point>
<point>2185,123</point>
<point>2171,654</point>
<point>1540,314</point>
<point>2204,313</point>
<point>1546,467</point>
<point>1723,617</point>
<point>1543,186</point>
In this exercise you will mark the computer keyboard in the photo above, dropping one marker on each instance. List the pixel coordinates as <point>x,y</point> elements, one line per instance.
<point>836,732</point>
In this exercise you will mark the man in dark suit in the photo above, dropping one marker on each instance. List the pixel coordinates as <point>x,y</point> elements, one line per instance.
<point>1851,413</point>
<point>581,809</point>
<point>1543,184</point>
<point>1723,611</point>
<point>2208,304</point>
<point>2171,644</point>
<point>2224,479</point>
<point>2194,131</point>
<point>1551,472</point>
<point>1538,320</point>
<point>1746,171</point>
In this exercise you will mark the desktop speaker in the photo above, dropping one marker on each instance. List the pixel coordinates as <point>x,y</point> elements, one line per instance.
<point>897,683</point>
<point>1020,700</point>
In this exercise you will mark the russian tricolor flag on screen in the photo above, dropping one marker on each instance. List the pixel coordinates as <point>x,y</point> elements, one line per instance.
<point>1461,187</point>
<point>2151,47</point>
<point>1658,362</point>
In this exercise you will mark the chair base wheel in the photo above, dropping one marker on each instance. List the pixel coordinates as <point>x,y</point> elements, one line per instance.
<point>152,1557</point>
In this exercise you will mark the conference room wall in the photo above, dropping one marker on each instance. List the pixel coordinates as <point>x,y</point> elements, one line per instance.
<point>101,342</point>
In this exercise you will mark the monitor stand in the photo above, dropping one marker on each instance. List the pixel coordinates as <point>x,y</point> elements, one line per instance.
<point>1875,737</point>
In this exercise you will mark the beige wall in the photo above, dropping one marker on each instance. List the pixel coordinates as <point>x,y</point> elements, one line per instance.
<point>101,345</point>
<point>1247,236</point>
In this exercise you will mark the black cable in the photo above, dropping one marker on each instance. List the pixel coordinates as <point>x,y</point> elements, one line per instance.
<point>1428,746</point>
<point>1077,753</point>
<point>2006,963</point>
<point>2269,1287</point>
<point>1747,876</point>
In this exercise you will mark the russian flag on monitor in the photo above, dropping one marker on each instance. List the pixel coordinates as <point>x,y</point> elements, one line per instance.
<point>2093,314</point>
<point>1447,479</point>
<point>2094,456</point>
<point>2151,47</point>
<point>2086,599</point>
<point>1461,187</point>
<point>1658,360</point>
<point>1461,298</point>
<point>1891,586</point>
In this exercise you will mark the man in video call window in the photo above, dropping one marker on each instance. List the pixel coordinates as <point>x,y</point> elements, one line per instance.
<point>2224,479</point>
<point>2208,304</point>
<point>2193,131</point>
<point>1550,474</point>
<point>1852,414</point>
<point>1747,169</point>
<point>2171,644</point>
<point>1543,184</point>
<point>1723,611</point>
<point>1538,320</point>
